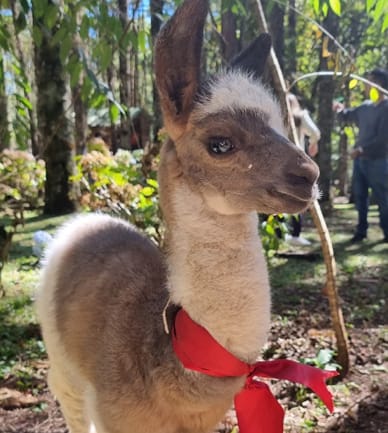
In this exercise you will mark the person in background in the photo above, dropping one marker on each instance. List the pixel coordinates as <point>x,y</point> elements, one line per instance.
<point>370,154</point>
<point>308,137</point>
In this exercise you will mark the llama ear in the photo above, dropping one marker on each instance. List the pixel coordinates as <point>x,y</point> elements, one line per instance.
<point>177,63</point>
<point>253,58</point>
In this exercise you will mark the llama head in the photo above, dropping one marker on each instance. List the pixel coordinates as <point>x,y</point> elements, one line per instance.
<point>228,135</point>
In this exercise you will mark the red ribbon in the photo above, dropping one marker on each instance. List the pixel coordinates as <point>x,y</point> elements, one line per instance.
<point>257,409</point>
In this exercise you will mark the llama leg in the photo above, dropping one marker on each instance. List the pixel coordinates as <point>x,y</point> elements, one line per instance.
<point>71,400</point>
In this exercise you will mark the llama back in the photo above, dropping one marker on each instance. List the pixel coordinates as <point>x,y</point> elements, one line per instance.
<point>97,273</point>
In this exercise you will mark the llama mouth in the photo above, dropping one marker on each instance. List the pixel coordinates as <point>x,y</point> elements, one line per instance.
<point>295,200</point>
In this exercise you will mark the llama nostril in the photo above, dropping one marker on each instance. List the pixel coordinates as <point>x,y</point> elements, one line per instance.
<point>306,173</point>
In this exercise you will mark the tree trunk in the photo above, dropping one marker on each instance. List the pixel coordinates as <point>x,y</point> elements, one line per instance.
<point>79,107</point>
<point>342,174</point>
<point>113,127</point>
<point>276,26</point>
<point>80,118</point>
<point>327,247</point>
<point>35,149</point>
<point>290,62</point>
<point>123,71</point>
<point>53,125</point>
<point>230,46</point>
<point>325,94</point>
<point>4,127</point>
<point>156,11</point>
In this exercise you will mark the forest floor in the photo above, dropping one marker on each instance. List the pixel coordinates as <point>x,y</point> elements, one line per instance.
<point>301,330</point>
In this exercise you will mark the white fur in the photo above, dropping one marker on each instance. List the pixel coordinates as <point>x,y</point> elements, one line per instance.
<point>236,90</point>
<point>235,310</point>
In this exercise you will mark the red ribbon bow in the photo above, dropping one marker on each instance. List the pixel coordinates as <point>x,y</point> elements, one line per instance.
<point>257,409</point>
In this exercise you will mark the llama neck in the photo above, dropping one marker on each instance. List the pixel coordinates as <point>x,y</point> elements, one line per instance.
<point>217,272</point>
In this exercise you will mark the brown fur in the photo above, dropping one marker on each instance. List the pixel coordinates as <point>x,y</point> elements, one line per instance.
<point>104,285</point>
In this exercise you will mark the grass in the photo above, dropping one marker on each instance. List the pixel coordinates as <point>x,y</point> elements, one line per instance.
<point>362,274</point>
<point>20,341</point>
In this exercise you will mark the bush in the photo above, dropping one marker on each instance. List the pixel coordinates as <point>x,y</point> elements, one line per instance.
<point>22,180</point>
<point>117,185</point>
<point>272,231</point>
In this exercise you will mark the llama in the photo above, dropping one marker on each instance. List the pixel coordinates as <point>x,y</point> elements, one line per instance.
<point>108,294</point>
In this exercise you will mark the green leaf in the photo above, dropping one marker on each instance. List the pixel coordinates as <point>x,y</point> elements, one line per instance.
<point>269,229</point>
<point>379,10</point>
<point>148,191</point>
<point>24,101</point>
<point>97,100</point>
<point>353,83</point>
<point>153,183</point>
<point>106,53</point>
<point>51,16</point>
<point>316,6</point>
<point>335,6</point>
<point>59,35</point>
<point>385,24</point>
<point>118,179</point>
<point>325,9</point>
<point>142,40</point>
<point>75,72</point>
<point>114,113</point>
<point>86,88</point>
<point>84,29</point>
<point>39,7</point>
<point>370,4</point>
<point>65,47</point>
<point>374,94</point>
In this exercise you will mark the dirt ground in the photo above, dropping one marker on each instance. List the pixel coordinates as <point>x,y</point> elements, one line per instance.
<point>361,399</point>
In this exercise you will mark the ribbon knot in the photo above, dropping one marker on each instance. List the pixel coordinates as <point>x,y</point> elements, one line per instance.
<point>257,409</point>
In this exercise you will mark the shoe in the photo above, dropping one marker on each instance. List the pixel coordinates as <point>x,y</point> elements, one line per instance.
<point>297,240</point>
<point>358,237</point>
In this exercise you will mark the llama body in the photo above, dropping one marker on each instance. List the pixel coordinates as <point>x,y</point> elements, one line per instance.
<point>104,286</point>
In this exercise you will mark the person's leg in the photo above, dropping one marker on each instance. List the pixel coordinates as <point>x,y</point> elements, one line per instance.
<point>378,177</point>
<point>360,190</point>
<point>296,225</point>
<point>294,237</point>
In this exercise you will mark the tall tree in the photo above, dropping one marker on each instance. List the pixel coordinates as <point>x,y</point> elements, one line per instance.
<point>156,7</point>
<point>4,126</point>
<point>290,51</point>
<point>276,25</point>
<point>123,66</point>
<point>19,22</point>
<point>230,45</point>
<point>53,123</point>
<point>79,106</point>
<point>325,95</point>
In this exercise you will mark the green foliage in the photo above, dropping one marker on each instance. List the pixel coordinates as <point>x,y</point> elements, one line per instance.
<point>21,179</point>
<point>272,231</point>
<point>116,184</point>
<point>323,360</point>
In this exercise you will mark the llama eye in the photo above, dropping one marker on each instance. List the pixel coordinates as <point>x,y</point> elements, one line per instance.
<point>220,145</point>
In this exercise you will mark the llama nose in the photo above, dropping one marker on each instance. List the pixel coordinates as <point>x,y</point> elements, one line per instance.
<point>305,173</point>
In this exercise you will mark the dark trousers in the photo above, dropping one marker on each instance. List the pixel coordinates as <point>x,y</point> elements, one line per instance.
<point>370,173</point>
<point>296,225</point>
